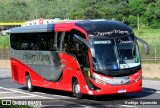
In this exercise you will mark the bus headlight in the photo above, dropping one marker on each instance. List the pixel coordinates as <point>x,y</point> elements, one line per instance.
<point>111,81</point>
<point>99,79</point>
<point>138,78</point>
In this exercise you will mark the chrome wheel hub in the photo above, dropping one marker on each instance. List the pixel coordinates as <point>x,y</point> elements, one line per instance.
<point>29,83</point>
<point>77,88</point>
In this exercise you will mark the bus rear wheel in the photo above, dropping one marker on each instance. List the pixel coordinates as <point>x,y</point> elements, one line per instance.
<point>76,90</point>
<point>29,84</point>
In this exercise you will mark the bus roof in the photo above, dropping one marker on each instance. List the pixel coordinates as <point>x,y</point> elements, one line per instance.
<point>104,27</point>
<point>33,28</point>
<point>92,27</point>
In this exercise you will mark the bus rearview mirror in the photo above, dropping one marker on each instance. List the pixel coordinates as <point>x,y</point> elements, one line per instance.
<point>145,44</point>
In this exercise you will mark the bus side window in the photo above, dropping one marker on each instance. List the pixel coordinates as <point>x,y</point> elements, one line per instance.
<point>14,41</point>
<point>83,53</point>
<point>71,44</point>
<point>45,41</point>
<point>66,43</point>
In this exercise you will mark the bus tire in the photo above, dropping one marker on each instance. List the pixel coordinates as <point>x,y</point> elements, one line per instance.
<point>76,90</point>
<point>29,84</point>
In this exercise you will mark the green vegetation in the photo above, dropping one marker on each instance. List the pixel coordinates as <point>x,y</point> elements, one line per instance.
<point>4,42</point>
<point>147,32</point>
<point>13,106</point>
<point>152,37</point>
<point>127,11</point>
<point>156,78</point>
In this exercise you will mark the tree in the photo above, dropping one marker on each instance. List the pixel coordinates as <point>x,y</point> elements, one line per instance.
<point>122,10</point>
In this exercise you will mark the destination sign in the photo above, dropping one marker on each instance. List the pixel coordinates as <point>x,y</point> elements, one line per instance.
<point>102,42</point>
<point>124,42</point>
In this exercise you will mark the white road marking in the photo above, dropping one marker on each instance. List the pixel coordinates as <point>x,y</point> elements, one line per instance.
<point>45,94</point>
<point>16,91</point>
<point>128,106</point>
<point>5,69</point>
<point>59,105</point>
<point>5,92</point>
<point>16,97</point>
<point>55,95</point>
<point>2,76</point>
<point>96,106</point>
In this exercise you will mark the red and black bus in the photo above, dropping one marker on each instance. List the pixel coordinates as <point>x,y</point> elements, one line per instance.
<point>95,57</point>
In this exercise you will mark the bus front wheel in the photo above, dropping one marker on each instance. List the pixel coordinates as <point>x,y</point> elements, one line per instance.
<point>29,84</point>
<point>76,90</point>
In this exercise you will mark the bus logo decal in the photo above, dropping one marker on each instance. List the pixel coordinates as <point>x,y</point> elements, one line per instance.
<point>111,32</point>
<point>124,42</point>
<point>122,82</point>
<point>38,56</point>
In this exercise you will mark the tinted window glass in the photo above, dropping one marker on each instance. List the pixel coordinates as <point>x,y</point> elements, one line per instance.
<point>33,41</point>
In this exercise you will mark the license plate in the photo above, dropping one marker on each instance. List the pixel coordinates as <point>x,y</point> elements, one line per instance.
<point>122,91</point>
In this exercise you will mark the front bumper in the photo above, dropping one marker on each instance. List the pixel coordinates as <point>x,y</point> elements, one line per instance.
<point>115,89</point>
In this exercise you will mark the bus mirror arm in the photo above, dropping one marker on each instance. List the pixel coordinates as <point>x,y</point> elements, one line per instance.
<point>92,52</point>
<point>146,46</point>
<point>91,48</point>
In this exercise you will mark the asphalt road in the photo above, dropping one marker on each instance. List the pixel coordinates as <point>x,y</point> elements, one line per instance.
<point>14,93</point>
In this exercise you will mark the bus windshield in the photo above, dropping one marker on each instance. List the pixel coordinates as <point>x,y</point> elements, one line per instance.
<point>114,54</point>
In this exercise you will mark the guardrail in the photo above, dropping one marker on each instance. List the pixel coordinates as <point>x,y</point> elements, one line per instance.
<point>155,59</point>
<point>4,53</point>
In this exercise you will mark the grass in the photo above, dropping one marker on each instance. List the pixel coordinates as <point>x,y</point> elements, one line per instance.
<point>147,32</point>
<point>4,42</point>
<point>152,37</point>
<point>156,78</point>
<point>13,106</point>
